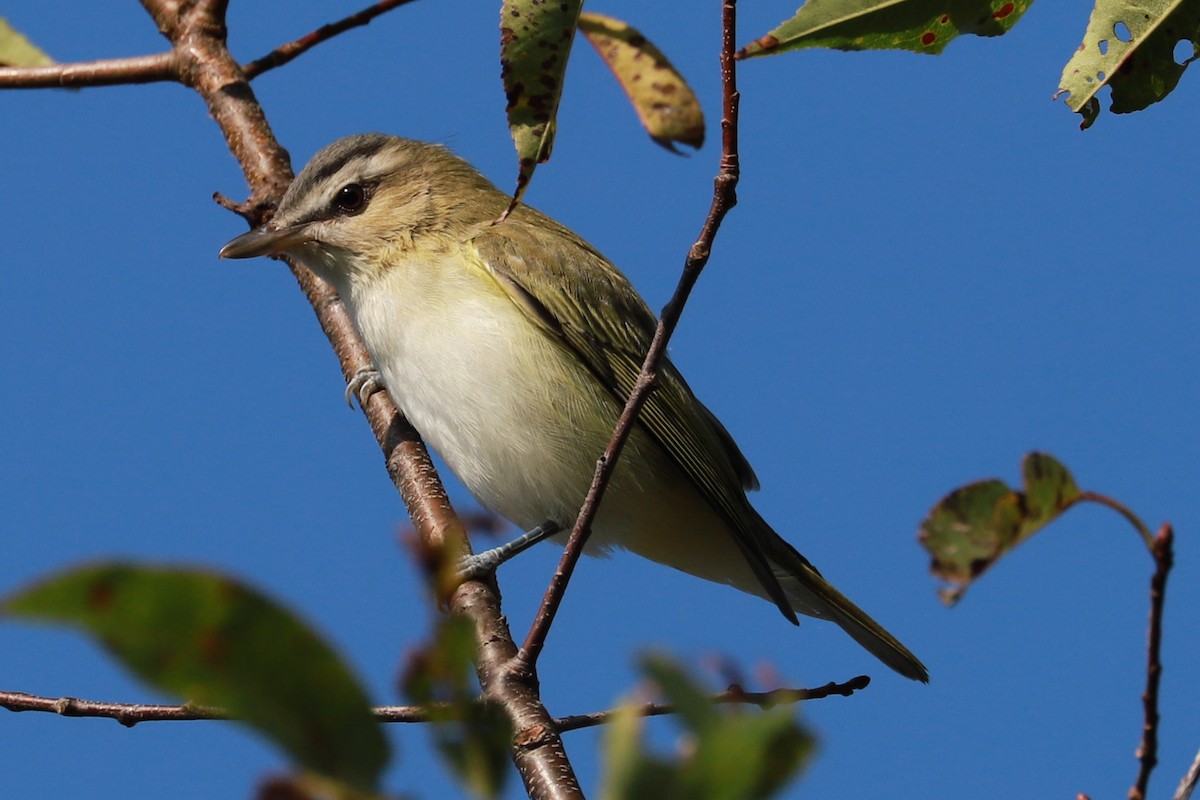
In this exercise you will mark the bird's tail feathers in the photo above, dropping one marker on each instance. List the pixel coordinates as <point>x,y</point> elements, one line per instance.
<point>811,594</point>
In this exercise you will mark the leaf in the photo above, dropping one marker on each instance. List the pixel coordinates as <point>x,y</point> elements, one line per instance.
<point>214,641</point>
<point>535,44</point>
<point>1130,46</point>
<point>310,786</point>
<point>474,738</point>
<point>973,526</point>
<point>922,26</point>
<point>17,51</point>
<point>666,105</point>
<point>730,755</point>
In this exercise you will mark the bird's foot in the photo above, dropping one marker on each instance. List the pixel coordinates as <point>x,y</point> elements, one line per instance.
<point>362,385</point>
<point>481,564</point>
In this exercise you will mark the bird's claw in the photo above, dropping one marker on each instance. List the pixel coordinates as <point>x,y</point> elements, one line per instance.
<point>362,385</point>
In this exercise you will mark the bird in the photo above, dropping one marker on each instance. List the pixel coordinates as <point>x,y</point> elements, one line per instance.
<point>512,344</point>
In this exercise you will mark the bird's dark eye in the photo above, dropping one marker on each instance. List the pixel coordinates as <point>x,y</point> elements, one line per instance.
<point>351,198</point>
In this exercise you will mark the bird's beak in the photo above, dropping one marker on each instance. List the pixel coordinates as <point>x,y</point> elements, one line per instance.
<point>266,241</point>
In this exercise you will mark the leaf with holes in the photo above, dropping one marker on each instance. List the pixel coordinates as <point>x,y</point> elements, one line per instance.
<point>974,526</point>
<point>1130,45</point>
<point>17,51</point>
<point>666,105</point>
<point>535,44</point>
<point>922,26</point>
<point>217,642</point>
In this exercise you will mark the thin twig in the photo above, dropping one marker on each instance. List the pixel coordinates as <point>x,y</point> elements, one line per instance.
<point>1147,751</point>
<point>724,198</point>
<point>1119,507</point>
<point>130,714</point>
<point>108,72</point>
<point>286,52</point>
<point>732,695</point>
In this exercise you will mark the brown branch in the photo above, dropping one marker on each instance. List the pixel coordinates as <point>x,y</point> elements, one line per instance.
<point>733,695</point>
<point>1147,751</point>
<point>130,714</point>
<point>197,35</point>
<point>724,198</point>
<point>286,52</point>
<point>1124,510</point>
<point>108,72</point>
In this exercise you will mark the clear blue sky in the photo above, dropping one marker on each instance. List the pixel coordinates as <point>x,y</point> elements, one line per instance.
<point>931,272</point>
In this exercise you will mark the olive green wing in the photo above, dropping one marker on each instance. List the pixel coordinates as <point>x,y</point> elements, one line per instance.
<point>574,294</point>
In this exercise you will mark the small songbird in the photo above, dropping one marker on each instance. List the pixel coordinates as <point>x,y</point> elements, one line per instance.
<point>512,346</point>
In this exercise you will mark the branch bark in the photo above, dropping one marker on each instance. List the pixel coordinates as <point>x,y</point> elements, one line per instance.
<point>197,35</point>
<point>1147,751</point>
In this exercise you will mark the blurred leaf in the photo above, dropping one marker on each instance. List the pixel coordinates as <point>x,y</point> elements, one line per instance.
<point>1130,46</point>
<point>691,702</point>
<point>734,754</point>
<point>217,642</point>
<point>310,786</point>
<point>666,105</point>
<point>474,738</point>
<point>922,26</point>
<point>535,44</point>
<point>17,51</point>
<point>973,526</point>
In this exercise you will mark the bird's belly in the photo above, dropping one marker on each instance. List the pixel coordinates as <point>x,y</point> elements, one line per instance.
<point>512,411</point>
<point>521,421</point>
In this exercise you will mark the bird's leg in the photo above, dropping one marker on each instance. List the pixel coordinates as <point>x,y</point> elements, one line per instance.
<point>480,564</point>
<point>362,385</point>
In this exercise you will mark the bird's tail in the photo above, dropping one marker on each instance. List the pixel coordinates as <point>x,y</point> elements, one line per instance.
<point>811,594</point>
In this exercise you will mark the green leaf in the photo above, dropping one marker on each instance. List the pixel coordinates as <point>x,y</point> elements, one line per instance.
<point>922,26</point>
<point>734,754</point>
<point>535,44</point>
<point>217,642</point>
<point>473,738</point>
<point>666,105</point>
<point>310,786</point>
<point>1130,46</point>
<point>17,51</point>
<point>974,526</point>
<point>691,702</point>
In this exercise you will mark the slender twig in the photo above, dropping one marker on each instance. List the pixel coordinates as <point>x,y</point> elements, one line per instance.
<point>1188,784</point>
<point>734,694</point>
<point>108,72</point>
<point>1147,751</point>
<point>130,714</point>
<point>286,52</point>
<point>724,198</point>
<point>1119,507</point>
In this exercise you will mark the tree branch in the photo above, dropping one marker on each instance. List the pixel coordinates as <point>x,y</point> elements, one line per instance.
<point>733,695</point>
<point>130,714</point>
<point>197,33</point>
<point>724,198</point>
<point>109,72</point>
<point>286,52</point>
<point>1147,751</point>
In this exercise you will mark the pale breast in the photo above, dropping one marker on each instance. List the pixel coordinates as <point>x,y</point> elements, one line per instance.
<point>516,417</point>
